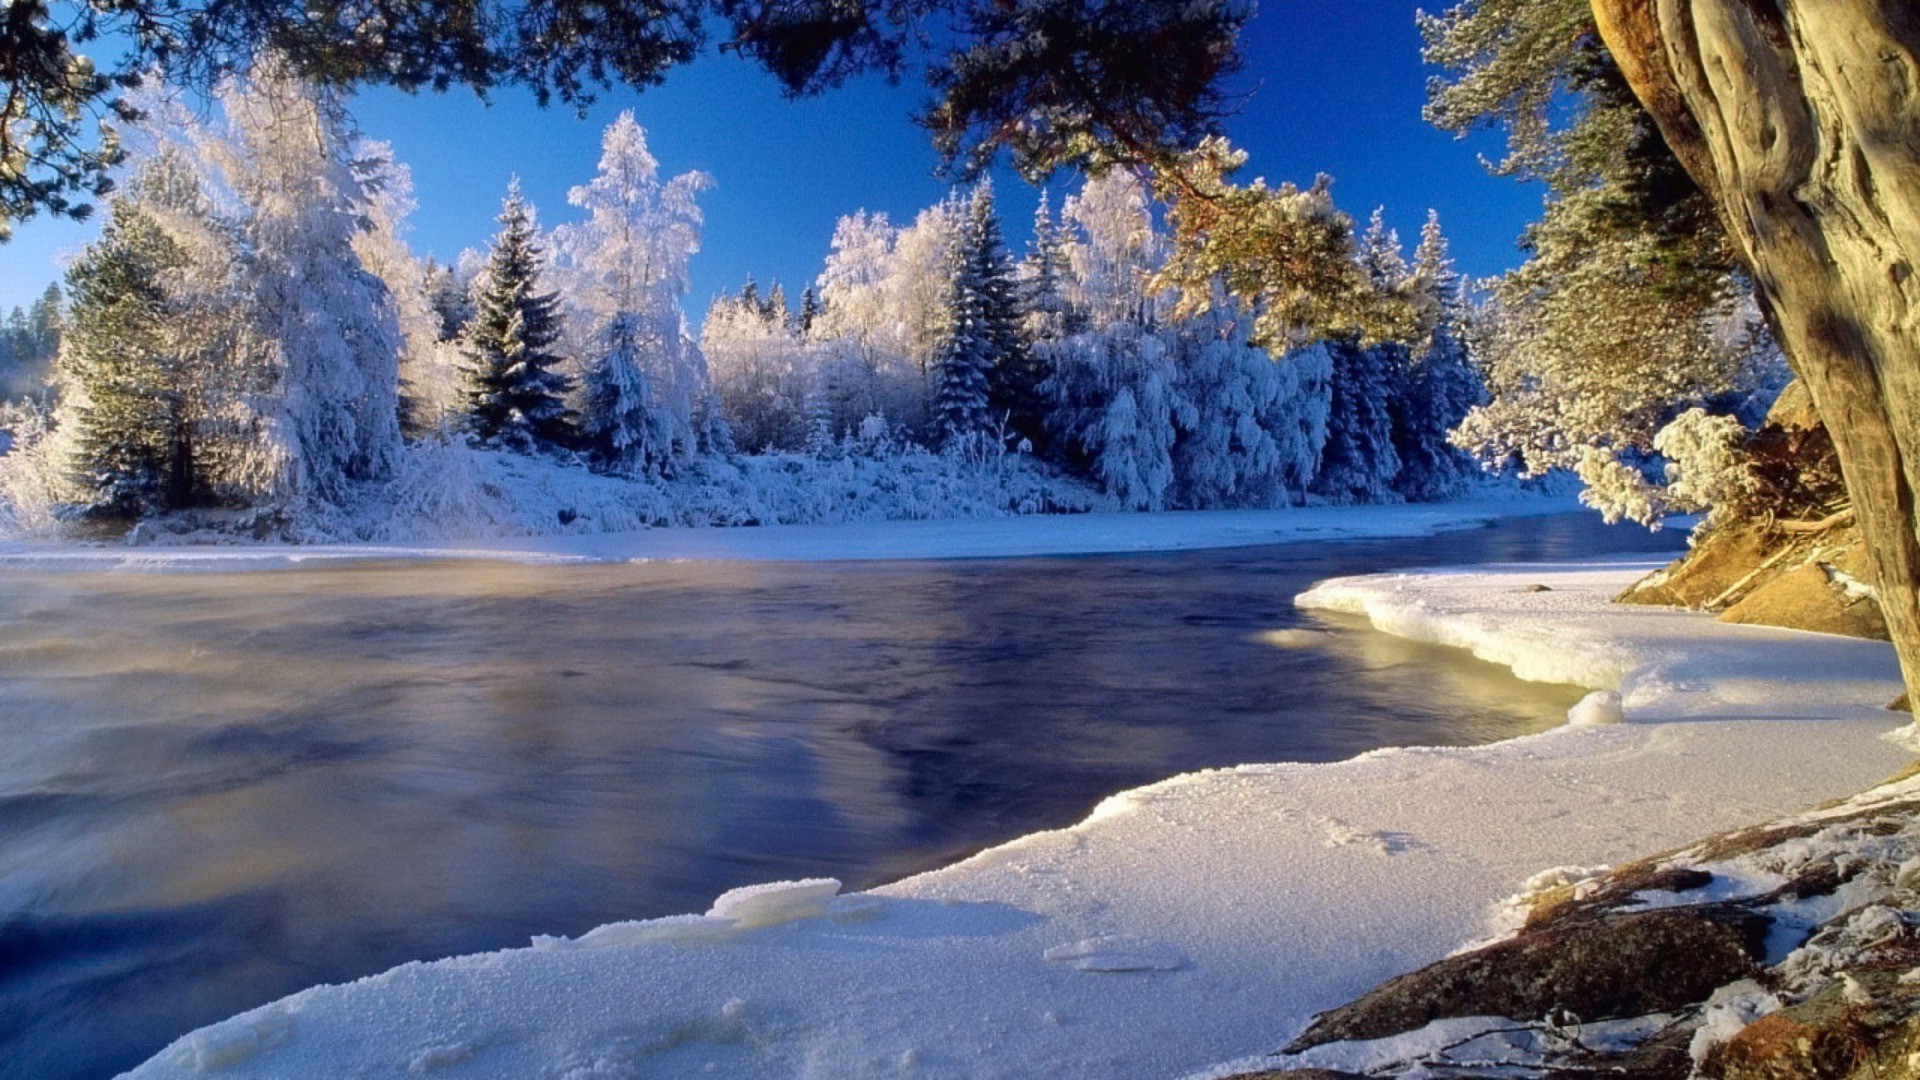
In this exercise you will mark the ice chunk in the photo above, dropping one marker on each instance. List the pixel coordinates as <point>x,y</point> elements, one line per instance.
<point>776,902</point>
<point>223,1046</point>
<point>1293,638</point>
<point>1599,707</point>
<point>672,930</point>
<point>1117,952</point>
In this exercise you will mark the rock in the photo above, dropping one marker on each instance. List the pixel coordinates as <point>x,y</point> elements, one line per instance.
<point>1564,906</point>
<point>1716,563</point>
<point>1300,1074</point>
<point>1614,966</point>
<point>1812,596</point>
<point>1833,1035</point>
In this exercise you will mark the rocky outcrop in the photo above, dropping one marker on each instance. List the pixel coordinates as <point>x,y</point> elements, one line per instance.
<point>1784,950</point>
<point>1793,558</point>
<point>1610,966</point>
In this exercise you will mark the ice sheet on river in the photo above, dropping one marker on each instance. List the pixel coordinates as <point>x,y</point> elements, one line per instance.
<point>1214,912</point>
<point>1079,534</point>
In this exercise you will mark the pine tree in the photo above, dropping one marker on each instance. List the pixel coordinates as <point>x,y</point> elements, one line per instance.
<point>126,385</point>
<point>517,397</point>
<point>324,333</point>
<point>776,305</point>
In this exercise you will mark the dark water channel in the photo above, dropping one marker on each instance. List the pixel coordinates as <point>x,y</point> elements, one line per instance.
<point>216,789</point>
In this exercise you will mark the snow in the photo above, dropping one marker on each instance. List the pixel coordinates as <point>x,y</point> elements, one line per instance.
<point>1599,707</point>
<point>1664,663</point>
<point>1036,535</point>
<point>1238,901</point>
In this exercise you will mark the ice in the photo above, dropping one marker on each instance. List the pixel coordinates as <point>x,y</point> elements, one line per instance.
<point>1117,952</point>
<point>1230,869</point>
<point>755,906</point>
<point>1599,707</point>
<point>225,1045</point>
<point>948,538</point>
<point>1294,638</point>
<point>673,929</point>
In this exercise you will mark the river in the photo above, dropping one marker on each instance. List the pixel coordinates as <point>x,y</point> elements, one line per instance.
<point>216,789</point>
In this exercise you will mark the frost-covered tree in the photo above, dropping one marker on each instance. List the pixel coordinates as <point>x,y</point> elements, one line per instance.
<point>762,374</point>
<point>884,298</point>
<point>1042,281</point>
<point>1359,462</point>
<point>1115,253</point>
<point>1013,373</point>
<point>626,267</point>
<point>963,366</point>
<point>1253,427</point>
<point>516,395</point>
<point>321,340</point>
<point>431,377</point>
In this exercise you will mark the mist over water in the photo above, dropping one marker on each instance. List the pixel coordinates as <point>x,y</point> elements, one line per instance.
<point>216,789</point>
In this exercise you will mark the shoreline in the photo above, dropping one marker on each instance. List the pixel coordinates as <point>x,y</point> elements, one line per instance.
<point>1193,921</point>
<point>1028,536</point>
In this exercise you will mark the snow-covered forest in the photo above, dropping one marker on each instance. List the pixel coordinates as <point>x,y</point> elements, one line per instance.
<point>251,350</point>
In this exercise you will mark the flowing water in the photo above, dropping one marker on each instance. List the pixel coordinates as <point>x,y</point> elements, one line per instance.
<point>216,789</point>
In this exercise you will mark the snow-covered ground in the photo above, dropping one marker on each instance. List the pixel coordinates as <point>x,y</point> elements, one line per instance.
<point>1100,533</point>
<point>1189,922</point>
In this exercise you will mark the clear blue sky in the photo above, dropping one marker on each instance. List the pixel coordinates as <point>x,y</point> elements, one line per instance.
<point>1335,88</point>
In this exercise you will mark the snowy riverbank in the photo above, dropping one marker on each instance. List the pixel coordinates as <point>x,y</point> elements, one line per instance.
<point>962,538</point>
<point>1189,922</point>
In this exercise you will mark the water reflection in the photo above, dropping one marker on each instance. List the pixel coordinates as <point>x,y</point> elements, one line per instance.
<point>215,790</point>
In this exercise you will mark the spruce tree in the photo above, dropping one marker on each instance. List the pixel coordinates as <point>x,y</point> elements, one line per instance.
<point>809,311</point>
<point>1359,461</point>
<point>517,398</point>
<point>962,363</point>
<point>617,427</point>
<point>1043,301</point>
<point>1440,385</point>
<point>1013,377</point>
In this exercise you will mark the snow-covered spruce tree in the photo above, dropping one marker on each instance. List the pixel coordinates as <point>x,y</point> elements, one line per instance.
<point>1360,462</point>
<point>1042,277</point>
<point>626,267</point>
<point>964,363</point>
<point>126,388</point>
<point>516,398</point>
<point>321,339</point>
<point>1439,386</point>
<point>1013,373</point>
<point>1252,427</point>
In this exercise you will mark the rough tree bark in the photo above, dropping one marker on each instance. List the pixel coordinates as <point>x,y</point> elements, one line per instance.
<point>1802,119</point>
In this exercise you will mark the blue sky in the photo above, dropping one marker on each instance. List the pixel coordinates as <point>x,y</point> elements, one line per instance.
<point>1333,88</point>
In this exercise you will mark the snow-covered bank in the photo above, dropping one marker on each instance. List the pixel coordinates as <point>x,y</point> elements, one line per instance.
<point>1559,626</point>
<point>998,537</point>
<point>1196,920</point>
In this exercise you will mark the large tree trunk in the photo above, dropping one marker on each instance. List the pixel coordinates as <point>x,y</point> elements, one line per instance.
<point>1802,119</point>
